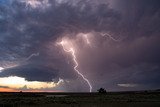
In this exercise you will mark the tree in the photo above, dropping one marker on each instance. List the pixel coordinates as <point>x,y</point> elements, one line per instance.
<point>102,90</point>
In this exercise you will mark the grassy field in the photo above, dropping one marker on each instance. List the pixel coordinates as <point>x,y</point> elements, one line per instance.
<point>114,99</point>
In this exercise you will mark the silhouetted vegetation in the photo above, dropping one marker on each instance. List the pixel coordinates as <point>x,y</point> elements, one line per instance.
<point>102,91</point>
<point>111,99</point>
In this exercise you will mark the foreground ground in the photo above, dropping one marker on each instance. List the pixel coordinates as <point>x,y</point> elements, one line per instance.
<point>117,99</point>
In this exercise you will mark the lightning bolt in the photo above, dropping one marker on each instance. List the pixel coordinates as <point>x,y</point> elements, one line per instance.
<point>68,47</point>
<point>12,65</point>
<point>72,51</point>
<point>110,36</point>
<point>34,54</point>
<point>87,40</point>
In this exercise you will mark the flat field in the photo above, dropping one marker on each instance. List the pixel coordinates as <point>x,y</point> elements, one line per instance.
<point>110,99</point>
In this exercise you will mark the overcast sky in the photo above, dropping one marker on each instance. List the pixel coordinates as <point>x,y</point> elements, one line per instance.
<point>122,52</point>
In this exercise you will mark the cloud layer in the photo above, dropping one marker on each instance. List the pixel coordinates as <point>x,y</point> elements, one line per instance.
<point>29,30</point>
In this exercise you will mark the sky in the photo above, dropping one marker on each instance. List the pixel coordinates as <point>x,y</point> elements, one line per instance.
<point>79,45</point>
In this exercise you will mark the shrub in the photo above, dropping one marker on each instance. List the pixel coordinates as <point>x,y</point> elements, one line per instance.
<point>102,90</point>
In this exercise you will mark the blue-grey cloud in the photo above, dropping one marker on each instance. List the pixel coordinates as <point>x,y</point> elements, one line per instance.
<point>32,73</point>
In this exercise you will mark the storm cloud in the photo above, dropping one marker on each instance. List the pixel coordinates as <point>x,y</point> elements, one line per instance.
<point>32,73</point>
<point>28,27</point>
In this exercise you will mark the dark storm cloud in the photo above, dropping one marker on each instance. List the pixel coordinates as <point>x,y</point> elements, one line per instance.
<point>25,30</point>
<point>144,74</point>
<point>136,58</point>
<point>32,73</point>
<point>140,17</point>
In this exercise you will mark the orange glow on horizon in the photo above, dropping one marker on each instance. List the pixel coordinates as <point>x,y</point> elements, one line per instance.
<point>8,90</point>
<point>14,90</point>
